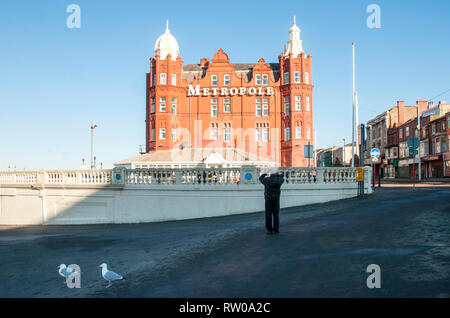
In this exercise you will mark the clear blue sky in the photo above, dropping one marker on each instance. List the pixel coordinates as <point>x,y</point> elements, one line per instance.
<point>54,81</point>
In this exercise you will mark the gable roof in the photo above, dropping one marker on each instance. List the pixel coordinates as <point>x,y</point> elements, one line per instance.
<point>196,155</point>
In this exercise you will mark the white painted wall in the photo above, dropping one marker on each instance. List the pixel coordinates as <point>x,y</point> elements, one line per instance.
<point>120,202</point>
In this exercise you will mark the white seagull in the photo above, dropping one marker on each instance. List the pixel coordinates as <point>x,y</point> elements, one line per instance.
<point>65,271</point>
<point>110,276</point>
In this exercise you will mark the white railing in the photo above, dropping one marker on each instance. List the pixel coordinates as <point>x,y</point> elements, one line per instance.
<point>178,176</point>
<point>191,176</point>
<point>56,177</point>
<point>82,177</point>
<point>299,175</point>
<point>18,177</point>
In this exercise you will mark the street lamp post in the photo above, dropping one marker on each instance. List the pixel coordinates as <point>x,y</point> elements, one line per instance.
<point>93,125</point>
<point>418,135</point>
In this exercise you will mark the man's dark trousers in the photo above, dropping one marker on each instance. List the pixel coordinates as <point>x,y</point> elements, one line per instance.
<point>272,211</point>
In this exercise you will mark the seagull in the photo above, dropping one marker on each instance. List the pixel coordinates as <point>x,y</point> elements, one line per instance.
<point>65,271</point>
<point>110,276</point>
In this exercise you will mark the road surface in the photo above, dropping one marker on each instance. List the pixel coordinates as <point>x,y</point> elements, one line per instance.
<point>323,251</point>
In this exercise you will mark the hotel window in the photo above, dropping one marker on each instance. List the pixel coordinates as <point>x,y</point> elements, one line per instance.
<point>154,79</point>
<point>153,134</point>
<point>163,79</point>
<point>286,78</point>
<point>296,77</point>
<point>265,78</point>
<point>174,79</point>
<point>298,103</point>
<point>227,133</point>
<point>307,103</point>
<point>258,107</point>
<point>153,105</point>
<point>162,133</point>
<point>407,131</point>
<point>308,133</point>
<point>258,79</point>
<point>265,107</point>
<point>226,105</point>
<point>448,122</point>
<point>258,134</point>
<point>226,79</point>
<point>433,128</point>
<point>214,131</point>
<point>213,80</point>
<point>286,105</point>
<point>174,134</point>
<point>174,106</point>
<point>214,107</point>
<point>298,132</point>
<point>261,132</point>
<point>401,133</point>
<point>306,78</point>
<point>287,134</point>
<point>265,134</point>
<point>162,104</point>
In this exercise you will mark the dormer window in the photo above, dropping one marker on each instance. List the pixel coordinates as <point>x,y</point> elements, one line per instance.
<point>265,78</point>
<point>306,78</point>
<point>258,79</point>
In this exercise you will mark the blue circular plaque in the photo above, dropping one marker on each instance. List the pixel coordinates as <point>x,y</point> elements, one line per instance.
<point>117,176</point>
<point>248,176</point>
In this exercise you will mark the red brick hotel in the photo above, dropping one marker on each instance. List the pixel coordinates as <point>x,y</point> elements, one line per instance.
<point>263,109</point>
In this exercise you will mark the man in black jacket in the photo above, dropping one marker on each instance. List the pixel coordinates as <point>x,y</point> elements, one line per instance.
<point>272,181</point>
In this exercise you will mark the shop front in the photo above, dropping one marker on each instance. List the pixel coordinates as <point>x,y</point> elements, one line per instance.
<point>392,168</point>
<point>446,164</point>
<point>403,168</point>
<point>434,166</point>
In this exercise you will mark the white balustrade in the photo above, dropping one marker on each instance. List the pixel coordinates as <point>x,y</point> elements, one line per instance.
<point>72,177</point>
<point>178,176</point>
<point>18,177</point>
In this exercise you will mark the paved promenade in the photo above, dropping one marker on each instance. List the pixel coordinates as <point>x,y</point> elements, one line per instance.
<point>322,251</point>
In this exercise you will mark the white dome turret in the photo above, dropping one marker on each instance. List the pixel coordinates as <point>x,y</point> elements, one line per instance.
<point>166,44</point>
<point>294,43</point>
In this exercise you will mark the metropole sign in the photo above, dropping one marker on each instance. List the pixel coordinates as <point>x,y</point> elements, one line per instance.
<point>225,91</point>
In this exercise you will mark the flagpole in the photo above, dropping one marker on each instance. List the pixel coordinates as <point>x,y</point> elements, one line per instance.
<point>353,109</point>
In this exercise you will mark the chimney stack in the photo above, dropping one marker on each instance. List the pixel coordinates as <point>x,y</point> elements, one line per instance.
<point>204,61</point>
<point>401,111</point>
<point>422,105</point>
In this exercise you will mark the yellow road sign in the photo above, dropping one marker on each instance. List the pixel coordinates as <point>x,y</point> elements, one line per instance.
<point>360,174</point>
